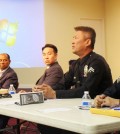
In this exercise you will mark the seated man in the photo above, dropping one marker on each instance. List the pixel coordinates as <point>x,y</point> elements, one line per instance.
<point>53,74</point>
<point>110,97</point>
<point>7,76</point>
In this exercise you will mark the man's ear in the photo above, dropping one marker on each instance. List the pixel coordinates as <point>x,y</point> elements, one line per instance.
<point>88,42</point>
<point>56,56</point>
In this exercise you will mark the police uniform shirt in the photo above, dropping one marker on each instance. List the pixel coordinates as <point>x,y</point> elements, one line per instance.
<point>92,74</point>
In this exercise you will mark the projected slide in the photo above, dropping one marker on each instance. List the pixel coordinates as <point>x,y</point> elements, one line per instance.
<point>22,32</point>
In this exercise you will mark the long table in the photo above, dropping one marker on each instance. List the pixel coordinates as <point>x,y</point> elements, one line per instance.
<point>60,113</point>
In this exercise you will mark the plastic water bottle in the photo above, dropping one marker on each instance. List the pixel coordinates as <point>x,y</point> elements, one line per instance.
<point>11,89</point>
<point>86,101</point>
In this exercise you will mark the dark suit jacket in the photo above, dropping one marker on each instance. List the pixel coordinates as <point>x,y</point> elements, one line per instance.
<point>9,77</point>
<point>52,76</point>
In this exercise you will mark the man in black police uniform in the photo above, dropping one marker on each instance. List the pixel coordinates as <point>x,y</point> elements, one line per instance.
<point>88,73</point>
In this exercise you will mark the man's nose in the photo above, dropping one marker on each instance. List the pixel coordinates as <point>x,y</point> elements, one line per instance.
<point>46,57</point>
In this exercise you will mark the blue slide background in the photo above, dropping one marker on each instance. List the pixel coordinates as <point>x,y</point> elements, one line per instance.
<point>30,36</point>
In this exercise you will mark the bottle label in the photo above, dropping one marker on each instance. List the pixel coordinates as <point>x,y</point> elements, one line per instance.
<point>11,92</point>
<point>86,104</point>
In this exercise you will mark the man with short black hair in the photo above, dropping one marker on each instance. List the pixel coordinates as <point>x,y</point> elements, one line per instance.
<point>53,74</point>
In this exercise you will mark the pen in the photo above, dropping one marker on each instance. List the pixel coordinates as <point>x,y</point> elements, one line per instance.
<point>116,108</point>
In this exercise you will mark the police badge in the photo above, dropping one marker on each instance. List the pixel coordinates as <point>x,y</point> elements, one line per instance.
<point>85,70</point>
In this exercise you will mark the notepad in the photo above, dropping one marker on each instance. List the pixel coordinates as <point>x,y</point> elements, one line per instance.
<point>106,111</point>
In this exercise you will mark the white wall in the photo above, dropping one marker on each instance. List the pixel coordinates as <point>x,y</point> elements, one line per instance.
<point>112,24</point>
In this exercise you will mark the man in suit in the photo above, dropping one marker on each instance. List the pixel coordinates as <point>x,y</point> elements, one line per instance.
<point>7,76</point>
<point>53,73</point>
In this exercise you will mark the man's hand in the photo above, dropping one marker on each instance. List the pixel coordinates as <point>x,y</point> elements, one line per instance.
<point>108,101</point>
<point>37,88</point>
<point>22,91</point>
<point>48,92</point>
<point>99,100</point>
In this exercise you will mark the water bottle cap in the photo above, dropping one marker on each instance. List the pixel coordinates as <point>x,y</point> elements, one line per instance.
<point>86,92</point>
<point>11,84</point>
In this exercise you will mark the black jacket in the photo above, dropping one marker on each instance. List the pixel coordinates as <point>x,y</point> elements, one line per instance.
<point>92,74</point>
<point>114,90</point>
